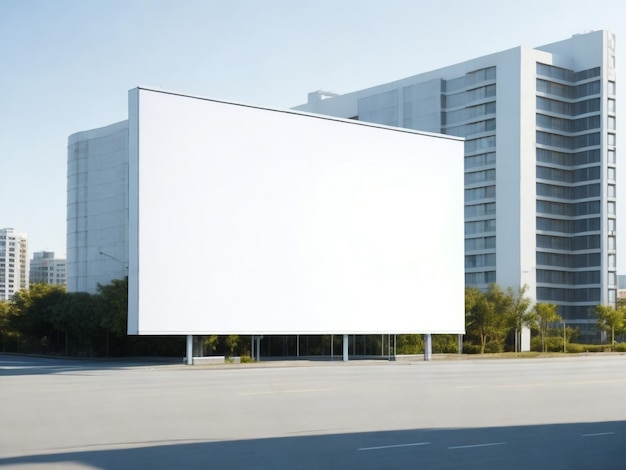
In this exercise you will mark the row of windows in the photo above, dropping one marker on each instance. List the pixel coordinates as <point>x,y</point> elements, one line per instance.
<point>566,74</point>
<point>583,260</point>
<point>472,128</point>
<point>481,159</point>
<point>568,142</point>
<point>471,112</point>
<point>590,294</point>
<point>479,261</point>
<point>569,159</point>
<point>483,143</point>
<point>568,226</point>
<point>568,210</point>
<point>480,176</point>
<point>568,91</point>
<point>569,109</point>
<point>480,226</point>
<point>475,194</point>
<point>581,242</point>
<point>466,97</point>
<point>480,243</point>
<point>569,192</point>
<point>567,277</point>
<point>472,279</point>
<point>568,125</point>
<point>568,176</point>
<point>470,79</point>
<point>478,210</point>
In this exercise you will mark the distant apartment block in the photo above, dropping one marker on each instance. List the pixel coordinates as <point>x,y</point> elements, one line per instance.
<point>46,269</point>
<point>13,262</point>
<point>540,163</point>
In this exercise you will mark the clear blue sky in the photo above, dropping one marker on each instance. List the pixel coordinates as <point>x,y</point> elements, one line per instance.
<point>67,65</point>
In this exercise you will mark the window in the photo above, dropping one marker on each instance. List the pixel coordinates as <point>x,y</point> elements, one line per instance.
<point>480,176</point>
<point>611,207</point>
<point>611,225</point>
<point>611,106</point>
<point>612,140</point>
<point>480,160</point>
<point>611,243</point>
<point>611,190</point>
<point>611,174</point>
<point>612,88</point>
<point>611,122</point>
<point>611,156</point>
<point>611,260</point>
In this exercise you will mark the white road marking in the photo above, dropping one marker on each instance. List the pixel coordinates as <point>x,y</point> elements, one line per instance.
<point>597,434</point>
<point>478,445</point>
<point>273,392</point>
<point>396,445</point>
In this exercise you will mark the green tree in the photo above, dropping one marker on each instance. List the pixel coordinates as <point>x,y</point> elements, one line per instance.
<point>8,334</point>
<point>230,344</point>
<point>483,317</point>
<point>33,309</point>
<point>610,320</point>
<point>84,319</point>
<point>112,309</point>
<point>519,315</point>
<point>112,306</point>
<point>545,314</point>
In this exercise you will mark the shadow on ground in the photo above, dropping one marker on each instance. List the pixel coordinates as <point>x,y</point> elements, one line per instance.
<point>557,446</point>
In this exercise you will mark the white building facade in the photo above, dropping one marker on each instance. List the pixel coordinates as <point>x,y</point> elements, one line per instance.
<point>97,207</point>
<point>46,269</point>
<point>540,163</point>
<point>13,262</point>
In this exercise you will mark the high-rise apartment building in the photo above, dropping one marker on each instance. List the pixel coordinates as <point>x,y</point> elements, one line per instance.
<point>540,163</point>
<point>13,262</point>
<point>97,207</point>
<point>46,269</point>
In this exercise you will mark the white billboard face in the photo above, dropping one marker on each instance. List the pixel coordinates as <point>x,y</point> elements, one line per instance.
<point>254,221</point>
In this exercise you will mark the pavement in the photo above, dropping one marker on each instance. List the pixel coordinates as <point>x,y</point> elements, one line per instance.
<point>562,412</point>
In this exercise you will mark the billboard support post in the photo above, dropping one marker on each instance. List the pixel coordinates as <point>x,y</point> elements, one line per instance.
<point>428,347</point>
<point>189,350</point>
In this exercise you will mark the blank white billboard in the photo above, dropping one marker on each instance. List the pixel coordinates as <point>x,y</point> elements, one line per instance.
<point>246,220</point>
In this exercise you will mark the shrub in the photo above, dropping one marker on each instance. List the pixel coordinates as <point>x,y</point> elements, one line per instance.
<point>620,347</point>
<point>445,344</point>
<point>493,347</point>
<point>553,344</point>
<point>581,348</point>
<point>409,344</point>
<point>575,348</point>
<point>469,348</point>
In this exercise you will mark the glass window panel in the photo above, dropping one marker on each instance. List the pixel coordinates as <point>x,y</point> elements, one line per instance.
<point>611,207</point>
<point>611,225</point>
<point>612,88</point>
<point>612,295</point>
<point>611,174</point>
<point>611,122</point>
<point>611,155</point>
<point>611,243</point>
<point>611,105</point>
<point>612,139</point>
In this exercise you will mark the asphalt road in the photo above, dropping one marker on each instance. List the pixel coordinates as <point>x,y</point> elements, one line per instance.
<point>560,413</point>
